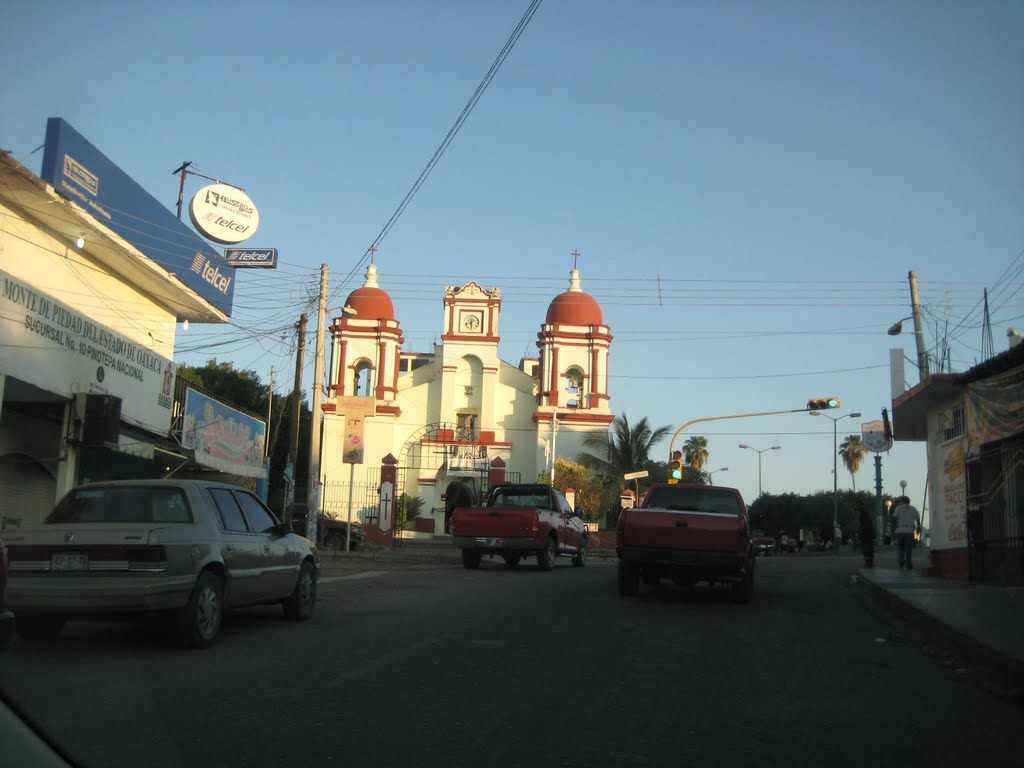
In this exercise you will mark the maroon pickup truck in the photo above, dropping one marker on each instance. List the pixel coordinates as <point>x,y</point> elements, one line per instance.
<point>520,521</point>
<point>687,533</point>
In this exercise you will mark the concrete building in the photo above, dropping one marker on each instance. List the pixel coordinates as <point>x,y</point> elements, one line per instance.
<point>448,416</point>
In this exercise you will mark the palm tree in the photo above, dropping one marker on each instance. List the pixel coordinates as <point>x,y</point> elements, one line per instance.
<point>696,451</point>
<point>852,451</point>
<point>621,449</point>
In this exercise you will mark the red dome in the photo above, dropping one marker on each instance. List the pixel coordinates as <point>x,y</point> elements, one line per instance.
<point>371,304</point>
<point>575,308</point>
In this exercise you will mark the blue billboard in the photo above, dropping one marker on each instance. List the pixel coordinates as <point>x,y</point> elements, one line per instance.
<point>82,173</point>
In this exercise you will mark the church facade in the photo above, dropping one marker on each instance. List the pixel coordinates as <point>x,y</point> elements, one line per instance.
<point>446,419</point>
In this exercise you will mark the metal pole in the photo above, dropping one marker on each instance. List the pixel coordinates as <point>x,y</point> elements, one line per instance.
<point>835,481</point>
<point>759,474</point>
<point>348,527</point>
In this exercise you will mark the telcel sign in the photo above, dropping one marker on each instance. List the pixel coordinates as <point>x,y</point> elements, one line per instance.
<point>223,213</point>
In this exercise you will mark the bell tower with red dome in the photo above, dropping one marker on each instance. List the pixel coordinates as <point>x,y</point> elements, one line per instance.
<point>367,343</point>
<point>574,344</point>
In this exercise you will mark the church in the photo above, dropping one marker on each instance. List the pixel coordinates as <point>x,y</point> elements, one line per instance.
<point>446,420</point>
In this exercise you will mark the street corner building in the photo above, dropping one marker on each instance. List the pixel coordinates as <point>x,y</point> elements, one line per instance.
<point>95,275</point>
<point>451,421</point>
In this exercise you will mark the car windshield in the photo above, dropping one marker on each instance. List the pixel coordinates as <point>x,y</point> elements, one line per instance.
<point>114,504</point>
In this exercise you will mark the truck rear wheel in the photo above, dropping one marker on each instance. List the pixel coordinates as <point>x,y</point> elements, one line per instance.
<point>743,591</point>
<point>470,559</point>
<point>546,556</point>
<point>629,578</point>
<point>580,558</point>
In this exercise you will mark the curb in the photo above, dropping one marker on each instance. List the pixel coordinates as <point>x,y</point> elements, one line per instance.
<point>1001,675</point>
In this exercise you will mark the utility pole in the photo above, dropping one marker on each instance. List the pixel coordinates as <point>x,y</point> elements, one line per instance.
<point>270,412</point>
<point>922,353</point>
<point>293,437</point>
<point>313,482</point>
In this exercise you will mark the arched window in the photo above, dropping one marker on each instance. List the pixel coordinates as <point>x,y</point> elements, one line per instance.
<point>574,388</point>
<point>362,378</point>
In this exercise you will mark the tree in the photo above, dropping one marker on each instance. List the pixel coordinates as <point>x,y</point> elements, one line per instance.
<point>571,474</point>
<point>852,452</point>
<point>695,449</point>
<point>408,508</point>
<point>621,449</point>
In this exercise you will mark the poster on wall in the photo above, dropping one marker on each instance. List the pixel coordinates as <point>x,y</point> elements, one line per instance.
<point>995,408</point>
<point>222,437</point>
<point>949,509</point>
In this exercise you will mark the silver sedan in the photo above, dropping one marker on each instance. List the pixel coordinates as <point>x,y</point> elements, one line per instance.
<point>188,549</point>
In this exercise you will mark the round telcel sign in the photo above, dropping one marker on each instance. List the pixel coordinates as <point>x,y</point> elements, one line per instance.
<point>223,213</point>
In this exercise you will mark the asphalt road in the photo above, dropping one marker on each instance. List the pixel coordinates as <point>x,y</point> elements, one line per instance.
<point>433,665</point>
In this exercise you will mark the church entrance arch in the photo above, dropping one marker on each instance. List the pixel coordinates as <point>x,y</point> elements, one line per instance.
<point>457,494</point>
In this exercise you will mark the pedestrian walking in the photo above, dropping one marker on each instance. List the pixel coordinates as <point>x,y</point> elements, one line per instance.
<point>867,536</point>
<point>908,522</point>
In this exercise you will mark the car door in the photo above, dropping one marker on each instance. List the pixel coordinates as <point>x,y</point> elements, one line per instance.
<point>279,563</point>
<point>240,549</point>
<point>571,525</point>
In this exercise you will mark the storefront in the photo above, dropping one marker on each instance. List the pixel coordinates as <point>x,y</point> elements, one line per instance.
<point>87,325</point>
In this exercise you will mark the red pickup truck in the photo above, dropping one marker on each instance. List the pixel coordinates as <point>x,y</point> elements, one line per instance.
<point>520,521</point>
<point>687,533</point>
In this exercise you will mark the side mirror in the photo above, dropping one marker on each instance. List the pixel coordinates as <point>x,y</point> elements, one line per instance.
<point>283,529</point>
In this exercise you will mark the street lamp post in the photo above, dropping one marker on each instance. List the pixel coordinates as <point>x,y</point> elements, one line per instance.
<point>759,452</point>
<point>835,465</point>
<point>712,472</point>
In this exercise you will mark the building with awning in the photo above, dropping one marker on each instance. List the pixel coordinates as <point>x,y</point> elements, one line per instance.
<point>973,423</point>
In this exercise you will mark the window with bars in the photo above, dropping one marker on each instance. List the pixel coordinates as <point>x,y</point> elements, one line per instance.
<point>951,423</point>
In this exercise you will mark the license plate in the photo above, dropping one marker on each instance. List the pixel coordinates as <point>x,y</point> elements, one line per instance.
<point>69,561</point>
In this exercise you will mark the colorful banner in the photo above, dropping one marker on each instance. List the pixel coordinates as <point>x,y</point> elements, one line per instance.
<point>949,507</point>
<point>356,409</point>
<point>995,408</point>
<point>223,438</point>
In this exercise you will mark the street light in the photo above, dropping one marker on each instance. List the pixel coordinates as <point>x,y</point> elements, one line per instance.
<point>712,472</point>
<point>835,466</point>
<point>759,452</point>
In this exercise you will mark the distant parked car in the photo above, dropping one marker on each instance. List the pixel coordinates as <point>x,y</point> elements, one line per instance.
<point>6,616</point>
<point>185,548</point>
<point>331,534</point>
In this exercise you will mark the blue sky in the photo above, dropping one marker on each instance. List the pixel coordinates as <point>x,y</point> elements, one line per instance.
<point>749,183</point>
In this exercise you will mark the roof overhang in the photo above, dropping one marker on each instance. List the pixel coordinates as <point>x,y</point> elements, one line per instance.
<point>37,202</point>
<point>910,410</point>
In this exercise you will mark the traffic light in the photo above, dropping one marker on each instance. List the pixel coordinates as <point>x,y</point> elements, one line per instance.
<point>675,467</point>
<point>823,403</point>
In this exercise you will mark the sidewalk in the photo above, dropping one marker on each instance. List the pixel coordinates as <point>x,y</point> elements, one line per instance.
<point>983,623</point>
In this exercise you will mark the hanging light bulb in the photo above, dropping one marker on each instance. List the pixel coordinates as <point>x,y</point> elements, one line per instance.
<point>184,325</point>
<point>80,242</point>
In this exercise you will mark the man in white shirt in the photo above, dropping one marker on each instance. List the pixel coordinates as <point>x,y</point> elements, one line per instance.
<point>908,522</point>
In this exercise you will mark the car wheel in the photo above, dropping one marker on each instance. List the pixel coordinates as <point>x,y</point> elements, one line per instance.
<point>743,591</point>
<point>300,605</point>
<point>546,556</point>
<point>511,561</point>
<point>199,621</point>
<point>471,559</point>
<point>580,558</point>
<point>629,578</point>
<point>38,627</point>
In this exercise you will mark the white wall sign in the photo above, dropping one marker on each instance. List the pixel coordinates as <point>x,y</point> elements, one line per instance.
<point>223,213</point>
<point>60,350</point>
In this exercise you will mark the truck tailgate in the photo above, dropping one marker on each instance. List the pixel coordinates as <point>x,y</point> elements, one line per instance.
<point>494,522</point>
<point>658,528</point>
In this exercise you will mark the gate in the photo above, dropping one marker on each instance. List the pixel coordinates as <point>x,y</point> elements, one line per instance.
<point>995,513</point>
